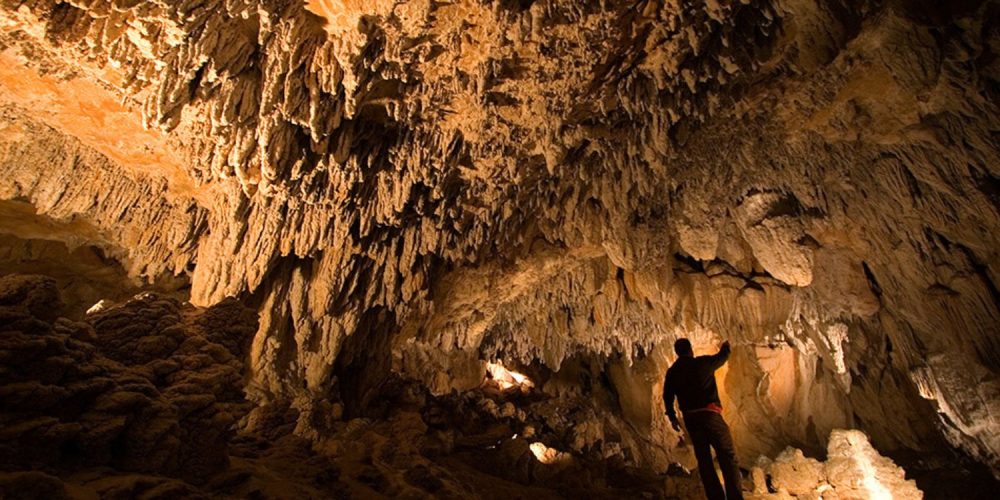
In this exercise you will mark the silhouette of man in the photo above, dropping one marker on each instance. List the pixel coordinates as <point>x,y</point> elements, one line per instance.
<point>692,381</point>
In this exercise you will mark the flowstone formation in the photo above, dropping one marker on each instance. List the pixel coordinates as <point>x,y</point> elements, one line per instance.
<point>418,199</point>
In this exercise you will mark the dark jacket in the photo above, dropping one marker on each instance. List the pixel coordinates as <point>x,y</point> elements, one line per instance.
<point>692,381</point>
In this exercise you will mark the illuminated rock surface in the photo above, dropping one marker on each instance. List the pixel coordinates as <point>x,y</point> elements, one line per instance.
<point>372,205</point>
<point>853,469</point>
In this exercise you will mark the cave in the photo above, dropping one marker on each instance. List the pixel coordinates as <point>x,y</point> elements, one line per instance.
<point>422,249</point>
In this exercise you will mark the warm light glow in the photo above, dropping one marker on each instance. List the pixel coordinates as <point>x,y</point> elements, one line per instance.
<point>95,116</point>
<point>547,455</point>
<point>876,490</point>
<point>99,306</point>
<point>343,15</point>
<point>875,476</point>
<point>507,379</point>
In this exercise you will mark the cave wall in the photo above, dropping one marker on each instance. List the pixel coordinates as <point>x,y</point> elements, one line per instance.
<point>436,184</point>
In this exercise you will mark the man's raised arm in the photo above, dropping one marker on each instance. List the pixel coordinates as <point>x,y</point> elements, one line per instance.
<point>721,357</point>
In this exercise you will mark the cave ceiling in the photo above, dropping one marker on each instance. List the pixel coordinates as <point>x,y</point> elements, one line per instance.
<point>417,184</point>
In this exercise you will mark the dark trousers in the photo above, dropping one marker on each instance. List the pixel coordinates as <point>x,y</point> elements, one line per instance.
<point>708,430</point>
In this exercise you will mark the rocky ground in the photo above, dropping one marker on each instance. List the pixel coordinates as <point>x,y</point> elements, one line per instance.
<point>145,399</point>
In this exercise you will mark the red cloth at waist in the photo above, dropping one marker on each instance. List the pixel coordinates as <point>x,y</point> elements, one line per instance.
<point>712,407</point>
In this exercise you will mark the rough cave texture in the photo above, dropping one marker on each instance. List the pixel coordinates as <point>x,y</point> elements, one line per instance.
<point>411,197</point>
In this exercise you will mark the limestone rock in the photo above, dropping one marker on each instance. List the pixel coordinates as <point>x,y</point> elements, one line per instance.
<point>141,391</point>
<point>853,469</point>
<point>796,474</point>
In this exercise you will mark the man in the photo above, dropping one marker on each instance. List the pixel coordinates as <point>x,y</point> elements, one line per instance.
<point>692,381</point>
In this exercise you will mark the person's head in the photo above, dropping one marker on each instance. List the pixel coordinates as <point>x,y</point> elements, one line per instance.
<point>683,348</point>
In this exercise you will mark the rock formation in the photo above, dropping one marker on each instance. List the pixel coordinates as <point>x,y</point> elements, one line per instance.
<point>349,214</point>
<point>853,470</point>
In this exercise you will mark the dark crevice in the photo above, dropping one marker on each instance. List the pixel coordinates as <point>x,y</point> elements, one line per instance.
<point>872,282</point>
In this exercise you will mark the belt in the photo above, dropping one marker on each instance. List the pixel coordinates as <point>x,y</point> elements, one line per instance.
<point>712,407</point>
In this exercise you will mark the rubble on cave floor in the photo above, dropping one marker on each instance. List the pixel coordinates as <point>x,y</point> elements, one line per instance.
<point>146,399</point>
<point>139,400</point>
